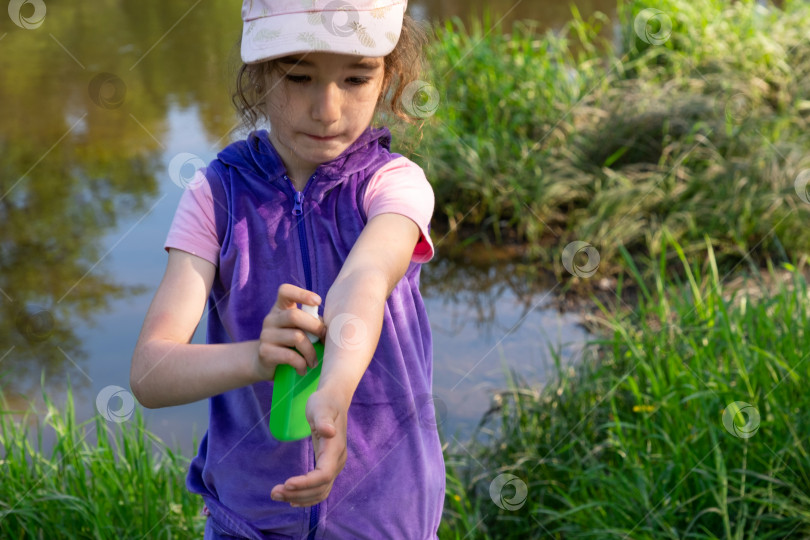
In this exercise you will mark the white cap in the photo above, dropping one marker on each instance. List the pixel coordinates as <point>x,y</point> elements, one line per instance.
<point>312,310</point>
<point>277,28</point>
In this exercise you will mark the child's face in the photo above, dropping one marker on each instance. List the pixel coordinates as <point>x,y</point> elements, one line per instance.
<point>318,104</point>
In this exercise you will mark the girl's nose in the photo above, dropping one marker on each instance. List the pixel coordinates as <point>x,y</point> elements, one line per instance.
<point>326,106</point>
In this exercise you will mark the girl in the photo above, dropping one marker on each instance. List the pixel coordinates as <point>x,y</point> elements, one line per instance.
<point>315,209</point>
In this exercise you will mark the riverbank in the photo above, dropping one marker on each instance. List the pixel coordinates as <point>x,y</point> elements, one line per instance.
<point>694,117</point>
<point>686,419</point>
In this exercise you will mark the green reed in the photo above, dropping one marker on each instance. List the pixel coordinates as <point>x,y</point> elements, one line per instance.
<point>98,480</point>
<point>579,135</point>
<point>632,442</point>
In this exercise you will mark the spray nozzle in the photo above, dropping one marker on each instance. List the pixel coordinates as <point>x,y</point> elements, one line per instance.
<point>311,310</point>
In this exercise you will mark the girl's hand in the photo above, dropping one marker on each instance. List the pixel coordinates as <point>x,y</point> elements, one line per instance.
<point>283,328</point>
<point>327,416</point>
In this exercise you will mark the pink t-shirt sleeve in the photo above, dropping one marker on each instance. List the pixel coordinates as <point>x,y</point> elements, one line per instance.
<point>193,229</point>
<point>400,187</point>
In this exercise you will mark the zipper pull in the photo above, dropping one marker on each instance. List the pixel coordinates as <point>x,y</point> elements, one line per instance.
<point>298,209</point>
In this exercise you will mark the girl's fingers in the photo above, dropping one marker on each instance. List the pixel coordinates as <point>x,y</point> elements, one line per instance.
<point>296,318</point>
<point>288,338</point>
<point>289,295</point>
<point>311,492</point>
<point>314,479</point>
<point>285,314</point>
<point>307,352</point>
<point>272,355</point>
<point>306,497</point>
<point>308,323</point>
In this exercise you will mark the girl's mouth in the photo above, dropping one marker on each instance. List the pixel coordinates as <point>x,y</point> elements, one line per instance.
<point>317,138</point>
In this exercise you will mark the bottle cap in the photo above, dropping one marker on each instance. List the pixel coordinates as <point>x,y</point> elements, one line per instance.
<point>312,310</point>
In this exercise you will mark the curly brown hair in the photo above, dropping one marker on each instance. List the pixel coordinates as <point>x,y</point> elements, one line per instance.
<point>402,66</point>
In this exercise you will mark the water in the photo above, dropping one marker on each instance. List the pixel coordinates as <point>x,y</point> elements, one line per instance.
<point>548,13</point>
<point>95,102</point>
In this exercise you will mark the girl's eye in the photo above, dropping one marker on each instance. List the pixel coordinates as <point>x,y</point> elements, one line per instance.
<point>357,81</point>
<point>298,78</point>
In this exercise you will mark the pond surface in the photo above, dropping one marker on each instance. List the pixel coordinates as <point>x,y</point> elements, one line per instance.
<point>95,103</point>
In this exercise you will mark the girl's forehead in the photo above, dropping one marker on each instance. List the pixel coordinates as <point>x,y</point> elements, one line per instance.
<point>331,60</point>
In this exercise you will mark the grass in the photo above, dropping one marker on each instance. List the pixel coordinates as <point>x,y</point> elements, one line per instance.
<point>675,160</point>
<point>629,444</point>
<point>632,443</point>
<point>97,481</point>
<point>610,141</point>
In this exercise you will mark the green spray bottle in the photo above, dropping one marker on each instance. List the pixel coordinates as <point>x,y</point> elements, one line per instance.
<point>288,419</point>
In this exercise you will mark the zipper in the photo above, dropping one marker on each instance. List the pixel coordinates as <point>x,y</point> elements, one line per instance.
<point>298,212</point>
<point>313,519</point>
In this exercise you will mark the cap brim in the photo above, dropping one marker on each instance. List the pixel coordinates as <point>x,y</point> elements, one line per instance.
<point>361,33</point>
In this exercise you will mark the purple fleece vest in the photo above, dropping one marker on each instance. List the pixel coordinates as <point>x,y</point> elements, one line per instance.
<point>393,483</point>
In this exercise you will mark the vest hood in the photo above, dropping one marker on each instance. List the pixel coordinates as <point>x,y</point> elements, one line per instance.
<point>256,155</point>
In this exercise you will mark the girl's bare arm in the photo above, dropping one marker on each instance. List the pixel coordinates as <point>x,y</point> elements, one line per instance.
<point>356,301</point>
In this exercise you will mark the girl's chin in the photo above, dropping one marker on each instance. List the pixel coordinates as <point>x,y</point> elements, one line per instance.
<point>321,153</point>
<point>311,151</point>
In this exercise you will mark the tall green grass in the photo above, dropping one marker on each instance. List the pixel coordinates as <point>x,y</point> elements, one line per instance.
<point>97,481</point>
<point>632,444</point>
<point>574,135</point>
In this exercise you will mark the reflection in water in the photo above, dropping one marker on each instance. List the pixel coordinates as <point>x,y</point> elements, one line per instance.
<point>85,102</point>
<point>491,322</point>
<point>478,280</point>
<point>55,206</point>
<point>550,14</point>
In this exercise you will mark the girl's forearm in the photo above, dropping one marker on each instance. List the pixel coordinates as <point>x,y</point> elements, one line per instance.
<point>166,373</point>
<point>353,314</point>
